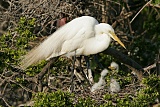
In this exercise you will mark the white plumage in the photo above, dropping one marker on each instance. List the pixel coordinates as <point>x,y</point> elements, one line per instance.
<point>104,73</point>
<point>114,66</point>
<point>81,36</point>
<point>114,85</point>
<point>101,83</point>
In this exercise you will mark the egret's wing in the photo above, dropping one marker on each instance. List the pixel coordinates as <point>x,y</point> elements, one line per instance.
<point>52,46</point>
<point>70,45</point>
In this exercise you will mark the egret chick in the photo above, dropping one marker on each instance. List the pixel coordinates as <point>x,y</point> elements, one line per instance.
<point>104,73</point>
<point>101,83</point>
<point>114,85</point>
<point>114,66</point>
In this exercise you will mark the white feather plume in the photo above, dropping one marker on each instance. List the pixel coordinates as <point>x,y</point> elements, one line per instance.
<point>55,44</point>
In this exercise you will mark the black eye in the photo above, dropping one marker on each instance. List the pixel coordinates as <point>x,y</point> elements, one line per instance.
<point>110,31</point>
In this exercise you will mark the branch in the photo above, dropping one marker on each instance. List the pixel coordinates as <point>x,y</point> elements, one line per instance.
<point>140,10</point>
<point>38,78</point>
<point>149,67</point>
<point>152,5</point>
<point>48,66</point>
<point>126,60</point>
<point>5,102</point>
<point>123,58</point>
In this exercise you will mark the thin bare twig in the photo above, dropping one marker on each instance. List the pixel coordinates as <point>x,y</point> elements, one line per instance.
<point>140,11</point>
<point>123,58</point>
<point>149,67</point>
<point>152,5</point>
<point>5,102</point>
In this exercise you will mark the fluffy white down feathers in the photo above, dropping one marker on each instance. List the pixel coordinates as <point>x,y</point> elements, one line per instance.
<point>113,85</point>
<point>101,83</point>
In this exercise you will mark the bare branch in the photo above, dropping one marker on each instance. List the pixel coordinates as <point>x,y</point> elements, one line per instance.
<point>123,58</point>
<point>140,10</point>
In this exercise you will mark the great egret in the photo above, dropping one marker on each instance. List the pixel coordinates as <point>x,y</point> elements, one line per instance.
<point>81,36</point>
<point>101,83</point>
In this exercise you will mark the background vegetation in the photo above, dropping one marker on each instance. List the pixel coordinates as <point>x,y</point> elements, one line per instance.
<point>25,23</point>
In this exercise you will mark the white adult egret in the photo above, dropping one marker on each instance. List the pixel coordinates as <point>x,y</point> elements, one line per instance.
<point>81,36</point>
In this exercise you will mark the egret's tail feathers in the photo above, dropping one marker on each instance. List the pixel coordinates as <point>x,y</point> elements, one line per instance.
<point>32,57</point>
<point>44,51</point>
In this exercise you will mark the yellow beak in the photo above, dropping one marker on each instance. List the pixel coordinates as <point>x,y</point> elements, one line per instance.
<point>111,68</point>
<point>117,39</point>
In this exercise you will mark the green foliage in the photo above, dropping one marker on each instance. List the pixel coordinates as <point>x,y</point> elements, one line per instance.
<point>145,46</point>
<point>25,30</point>
<point>143,97</point>
<point>156,1</point>
<point>149,93</point>
<point>115,99</point>
<point>87,102</point>
<point>61,99</point>
<point>61,65</point>
<point>152,81</point>
<point>105,59</point>
<point>32,70</point>
<point>13,43</point>
<point>122,77</point>
<point>54,99</point>
<point>125,79</point>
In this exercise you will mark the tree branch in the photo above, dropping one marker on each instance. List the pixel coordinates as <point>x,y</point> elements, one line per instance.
<point>126,60</point>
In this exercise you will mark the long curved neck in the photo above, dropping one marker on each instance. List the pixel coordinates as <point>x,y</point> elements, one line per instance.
<point>97,44</point>
<point>100,35</point>
<point>97,29</point>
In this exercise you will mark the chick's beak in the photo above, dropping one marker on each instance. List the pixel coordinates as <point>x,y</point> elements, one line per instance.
<point>117,39</point>
<point>111,68</point>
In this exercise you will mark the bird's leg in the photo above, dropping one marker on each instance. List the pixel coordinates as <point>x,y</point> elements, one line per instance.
<point>80,64</point>
<point>89,72</point>
<point>97,61</point>
<point>87,61</point>
<point>76,73</point>
<point>81,69</point>
<point>72,72</point>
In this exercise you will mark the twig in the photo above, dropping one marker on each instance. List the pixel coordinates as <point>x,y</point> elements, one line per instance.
<point>152,5</point>
<point>138,73</point>
<point>5,102</point>
<point>126,60</point>
<point>123,58</point>
<point>25,88</point>
<point>149,67</point>
<point>140,11</point>
<point>130,27</point>
<point>48,66</point>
